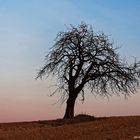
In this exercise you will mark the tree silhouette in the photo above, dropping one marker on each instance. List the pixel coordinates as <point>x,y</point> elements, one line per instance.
<point>80,57</point>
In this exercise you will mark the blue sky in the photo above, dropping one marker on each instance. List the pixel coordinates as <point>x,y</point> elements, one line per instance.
<point>28,29</point>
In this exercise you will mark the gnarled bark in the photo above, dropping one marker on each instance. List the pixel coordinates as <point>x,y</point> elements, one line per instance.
<point>69,113</point>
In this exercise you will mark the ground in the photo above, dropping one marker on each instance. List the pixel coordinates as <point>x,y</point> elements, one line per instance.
<point>80,128</point>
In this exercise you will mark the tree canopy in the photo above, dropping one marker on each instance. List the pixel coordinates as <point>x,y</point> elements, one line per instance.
<point>82,58</point>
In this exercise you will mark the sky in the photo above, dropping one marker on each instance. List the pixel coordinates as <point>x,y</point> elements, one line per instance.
<point>27,31</point>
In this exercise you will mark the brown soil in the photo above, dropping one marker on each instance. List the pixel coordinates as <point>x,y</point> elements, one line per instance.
<point>80,128</point>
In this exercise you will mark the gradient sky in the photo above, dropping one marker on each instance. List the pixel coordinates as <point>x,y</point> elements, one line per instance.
<point>27,31</point>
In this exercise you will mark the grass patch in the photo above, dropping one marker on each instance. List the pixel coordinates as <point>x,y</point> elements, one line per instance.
<point>77,119</point>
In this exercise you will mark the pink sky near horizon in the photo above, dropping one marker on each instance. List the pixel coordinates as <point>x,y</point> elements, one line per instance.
<point>30,102</point>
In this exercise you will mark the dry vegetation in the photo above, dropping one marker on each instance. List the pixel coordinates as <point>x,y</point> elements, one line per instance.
<point>80,128</point>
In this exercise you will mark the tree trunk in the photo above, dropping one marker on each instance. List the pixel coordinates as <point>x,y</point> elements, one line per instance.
<point>69,113</point>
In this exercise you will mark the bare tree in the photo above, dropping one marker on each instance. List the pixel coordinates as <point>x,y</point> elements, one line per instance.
<point>80,57</point>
